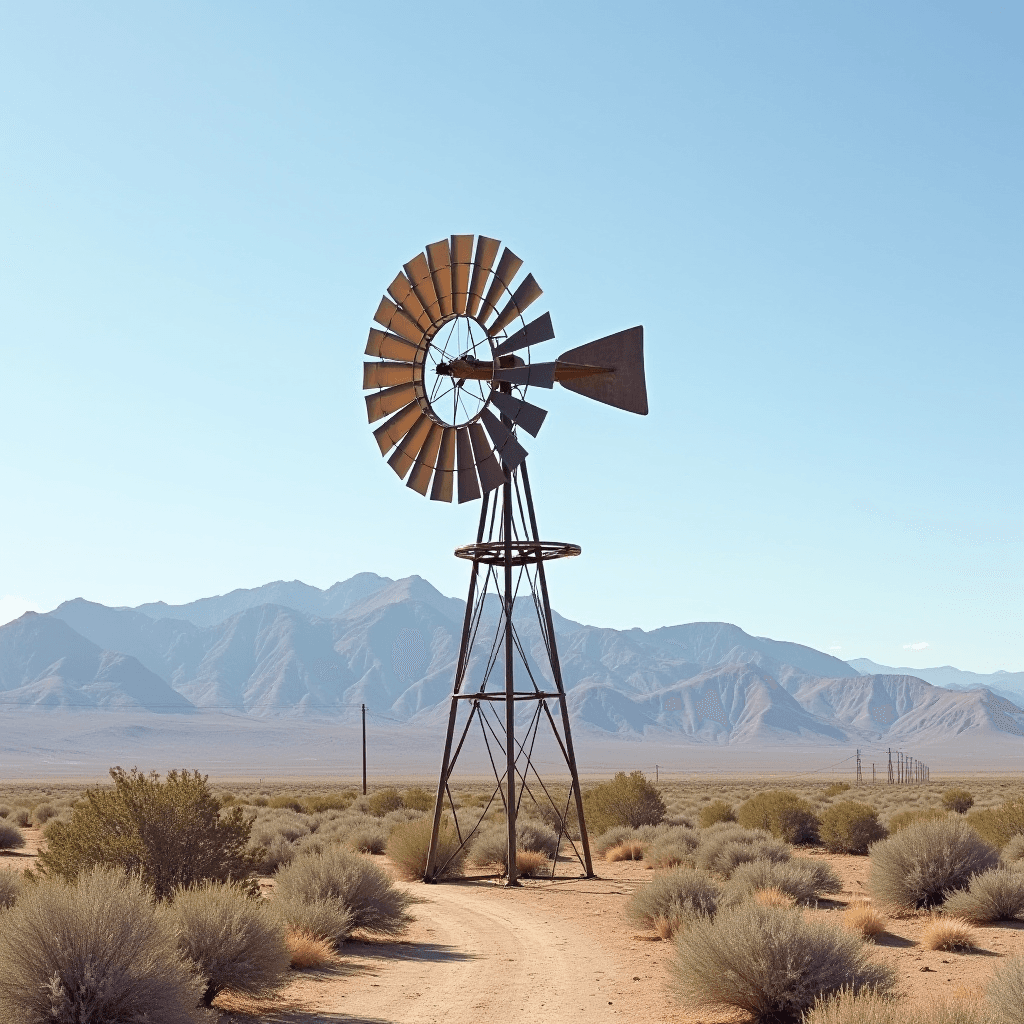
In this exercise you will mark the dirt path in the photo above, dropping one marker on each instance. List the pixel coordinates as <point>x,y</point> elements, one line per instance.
<point>481,952</point>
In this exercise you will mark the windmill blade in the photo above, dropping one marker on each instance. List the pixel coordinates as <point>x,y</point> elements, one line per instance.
<point>409,447</point>
<point>508,267</point>
<point>623,353</point>
<point>387,375</point>
<point>522,414</point>
<point>486,250</point>
<point>469,489</point>
<point>505,444</point>
<point>402,292</point>
<point>536,375</point>
<point>390,433</point>
<point>381,403</point>
<point>390,346</point>
<point>526,294</point>
<point>390,316</point>
<point>532,334</point>
<point>440,262</point>
<point>423,467</point>
<point>487,466</point>
<point>462,258</point>
<point>423,285</point>
<point>444,474</point>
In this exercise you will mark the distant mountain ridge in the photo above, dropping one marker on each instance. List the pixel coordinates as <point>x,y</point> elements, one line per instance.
<point>289,650</point>
<point>1006,683</point>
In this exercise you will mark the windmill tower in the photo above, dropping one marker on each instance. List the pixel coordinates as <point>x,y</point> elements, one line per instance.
<point>451,366</point>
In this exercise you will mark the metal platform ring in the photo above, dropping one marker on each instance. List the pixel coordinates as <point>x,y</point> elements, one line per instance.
<point>524,552</point>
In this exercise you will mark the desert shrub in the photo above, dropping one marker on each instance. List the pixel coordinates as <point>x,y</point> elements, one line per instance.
<point>10,837</point>
<point>10,888</point>
<point>267,859</point>
<point>899,821</point>
<point>772,897</point>
<point>383,801</point>
<point>714,812</point>
<point>998,825</point>
<point>802,879</point>
<point>289,803</point>
<point>307,952</point>
<point>327,802</point>
<point>771,962</point>
<point>20,817</point>
<point>171,833</point>
<point>1013,851</point>
<point>535,837</point>
<point>1005,992</point>
<point>42,813</point>
<point>919,865</point>
<point>873,1008</point>
<point>418,799</point>
<point>561,818</point>
<point>991,896</point>
<point>92,950</point>
<point>491,845</point>
<point>958,800</point>
<point>835,789</point>
<point>614,836</point>
<point>782,813</point>
<point>625,851</point>
<point>949,934</point>
<point>725,851</point>
<point>861,917</point>
<point>530,863</point>
<point>850,827</point>
<point>351,880</point>
<point>4,810</point>
<point>325,920</point>
<point>235,942</point>
<point>675,848</point>
<point>409,843</point>
<point>673,899</point>
<point>369,838</point>
<point>287,825</point>
<point>626,800</point>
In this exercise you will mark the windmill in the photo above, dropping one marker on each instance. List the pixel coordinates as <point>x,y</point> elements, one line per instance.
<point>451,366</point>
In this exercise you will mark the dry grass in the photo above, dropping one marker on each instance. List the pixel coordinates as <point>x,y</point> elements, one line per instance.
<point>625,851</point>
<point>309,953</point>
<point>949,934</point>
<point>530,863</point>
<point>774,897</point>
<point>864,919</point>
<point>666,927</point>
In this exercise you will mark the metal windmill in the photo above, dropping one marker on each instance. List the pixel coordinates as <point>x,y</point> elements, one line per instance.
<point>447,376</point>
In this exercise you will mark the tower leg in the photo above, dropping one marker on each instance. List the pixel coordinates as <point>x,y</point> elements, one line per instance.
<point>510,703</point>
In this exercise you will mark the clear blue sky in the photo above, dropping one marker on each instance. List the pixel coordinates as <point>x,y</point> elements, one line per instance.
<point>815,210</point>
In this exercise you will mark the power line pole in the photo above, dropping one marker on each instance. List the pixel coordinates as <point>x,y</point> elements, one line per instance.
<point>859,779</point>
<point>872,773</point>
<point>890,766</point>
<point>363,706</point>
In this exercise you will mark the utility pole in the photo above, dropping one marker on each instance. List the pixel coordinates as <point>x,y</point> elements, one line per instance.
<point>655,774</point>
<point>872,773</point>
<point>890,766</point>
<point>363,706</point>
<point>859,779</point>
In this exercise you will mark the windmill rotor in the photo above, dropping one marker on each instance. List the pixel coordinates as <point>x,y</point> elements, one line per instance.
<point>448,376</point>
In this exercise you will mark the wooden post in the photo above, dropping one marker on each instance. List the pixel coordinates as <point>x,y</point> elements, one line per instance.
<point>364,748</point>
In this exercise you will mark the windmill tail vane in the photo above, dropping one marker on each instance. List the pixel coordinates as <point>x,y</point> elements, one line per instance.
<point>450,368</point>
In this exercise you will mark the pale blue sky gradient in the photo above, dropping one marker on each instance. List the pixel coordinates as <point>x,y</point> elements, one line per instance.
<point>815,211</point>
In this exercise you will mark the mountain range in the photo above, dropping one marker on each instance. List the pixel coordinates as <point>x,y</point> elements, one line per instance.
<point>291,652</point>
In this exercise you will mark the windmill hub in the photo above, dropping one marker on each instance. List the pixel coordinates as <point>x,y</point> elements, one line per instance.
<point>452,364</point>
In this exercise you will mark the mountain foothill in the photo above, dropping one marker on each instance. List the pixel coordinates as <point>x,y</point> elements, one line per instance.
<point>293,651</point>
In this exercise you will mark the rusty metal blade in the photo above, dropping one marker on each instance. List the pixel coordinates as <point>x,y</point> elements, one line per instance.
<point>390,346</point>
<point>505,444</point>
<point>423,284</point>
<point>535,375</point>
<point>462,259</point>
<point>390,316</point>
<point>528,292</point>
<point>440,261</point>
<point>486,250</point>
<point>626,387</point>
<point>423,467</point>
<point>523,414</point>
<point>409,447</point>
<point>487,466</point>
<point>469,489</point>
<point>390,433</point>
<point>402,292</point>
<point>508,267</point>
<point>382,403</point>
<point>532,334</point>
<point>387,375</point>
<point>444,473</point>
